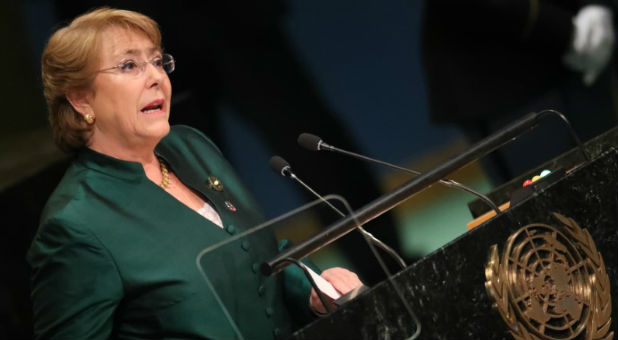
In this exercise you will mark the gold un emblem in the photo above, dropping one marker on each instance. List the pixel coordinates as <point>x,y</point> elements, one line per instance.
<point>551,284</point>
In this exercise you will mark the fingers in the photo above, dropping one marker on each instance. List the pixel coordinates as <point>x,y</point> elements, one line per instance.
<point>342,279</point>
<point>316,304</point>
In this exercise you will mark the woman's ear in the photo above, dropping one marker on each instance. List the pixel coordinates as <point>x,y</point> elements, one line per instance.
<point>80,100</point>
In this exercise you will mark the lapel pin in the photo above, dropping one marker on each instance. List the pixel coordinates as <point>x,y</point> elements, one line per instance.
<point>230,206</point>
<point>215,184</point>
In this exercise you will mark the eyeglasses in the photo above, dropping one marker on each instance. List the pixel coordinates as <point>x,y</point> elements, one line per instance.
<point>134,68</point>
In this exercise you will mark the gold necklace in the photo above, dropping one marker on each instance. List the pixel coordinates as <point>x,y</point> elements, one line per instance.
<point>165,175</point>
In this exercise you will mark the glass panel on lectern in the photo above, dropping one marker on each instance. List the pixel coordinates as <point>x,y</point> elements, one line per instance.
<point>252,304</point>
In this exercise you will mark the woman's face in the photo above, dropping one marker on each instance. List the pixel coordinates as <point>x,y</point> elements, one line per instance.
<point>131,111</point>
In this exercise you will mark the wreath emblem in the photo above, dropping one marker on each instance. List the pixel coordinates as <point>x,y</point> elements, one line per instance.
<point>551,284</point>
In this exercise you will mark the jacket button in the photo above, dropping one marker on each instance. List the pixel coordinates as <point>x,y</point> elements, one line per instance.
<point>255,267</point>
<point>245,245</point>
<point>269,312</point>
<point>277,332</point>
<point>261,290</point>
<point>231,229</point>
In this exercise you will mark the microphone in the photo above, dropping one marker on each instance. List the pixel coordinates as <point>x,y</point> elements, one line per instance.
<point>282,167</point>
<point>398,195</point>
<point>315,143</point>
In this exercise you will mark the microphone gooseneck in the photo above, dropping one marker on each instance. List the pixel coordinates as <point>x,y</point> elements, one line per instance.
<point>282,167</point>
<point>315,143</point>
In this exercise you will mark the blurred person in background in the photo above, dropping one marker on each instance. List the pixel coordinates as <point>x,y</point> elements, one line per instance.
<point>488,63</point>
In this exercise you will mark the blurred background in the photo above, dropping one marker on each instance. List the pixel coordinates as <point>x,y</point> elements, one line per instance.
<point>352,72</point>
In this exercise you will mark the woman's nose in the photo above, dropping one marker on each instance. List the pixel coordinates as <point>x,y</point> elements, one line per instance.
<point>153,74</point>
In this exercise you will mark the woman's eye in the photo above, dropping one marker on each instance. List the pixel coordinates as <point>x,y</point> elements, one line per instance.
<point>128,66</point>
<point>157,62</point>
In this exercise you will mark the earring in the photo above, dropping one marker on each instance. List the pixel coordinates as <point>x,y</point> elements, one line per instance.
<point>89,118</point>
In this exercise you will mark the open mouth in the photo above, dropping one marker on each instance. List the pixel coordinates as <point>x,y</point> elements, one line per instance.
<point>154,106</point>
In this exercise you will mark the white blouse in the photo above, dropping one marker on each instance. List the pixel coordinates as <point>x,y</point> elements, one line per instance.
<point>210,214</point>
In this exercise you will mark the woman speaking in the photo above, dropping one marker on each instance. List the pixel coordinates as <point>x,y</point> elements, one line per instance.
<point>114,255</point>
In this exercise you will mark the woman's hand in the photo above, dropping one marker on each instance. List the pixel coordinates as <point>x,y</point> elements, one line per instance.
<point>342,280</point>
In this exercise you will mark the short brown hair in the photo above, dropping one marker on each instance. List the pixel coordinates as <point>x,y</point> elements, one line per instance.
<point>68,64</point>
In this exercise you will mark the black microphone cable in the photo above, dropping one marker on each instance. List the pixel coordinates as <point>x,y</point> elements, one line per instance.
<point>282,167</point>
<point>569,127</point>
<point>315,143</point>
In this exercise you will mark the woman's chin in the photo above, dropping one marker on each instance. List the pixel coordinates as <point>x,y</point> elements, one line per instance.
<point>163,127</point>
<point>157,129</point>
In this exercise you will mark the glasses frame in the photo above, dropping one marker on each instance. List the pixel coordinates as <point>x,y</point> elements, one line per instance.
<point>141,66</point>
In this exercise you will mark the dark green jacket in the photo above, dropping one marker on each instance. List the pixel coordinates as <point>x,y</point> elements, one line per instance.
<point>115,255</point>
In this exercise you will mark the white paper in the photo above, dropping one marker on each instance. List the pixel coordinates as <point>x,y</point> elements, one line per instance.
<point>324,285</point>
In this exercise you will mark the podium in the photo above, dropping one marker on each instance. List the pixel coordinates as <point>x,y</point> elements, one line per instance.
<point>530,272</point>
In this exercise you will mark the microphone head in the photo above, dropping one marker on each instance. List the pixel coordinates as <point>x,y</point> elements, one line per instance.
<point>309,141</point>
<point>280,165</point>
